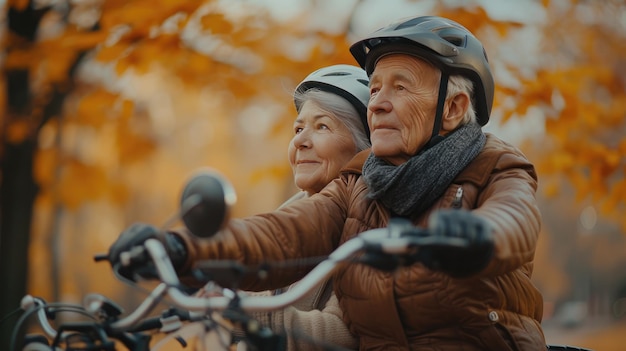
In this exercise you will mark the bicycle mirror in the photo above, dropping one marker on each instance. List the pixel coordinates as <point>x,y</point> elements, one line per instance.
<point>205,203</point>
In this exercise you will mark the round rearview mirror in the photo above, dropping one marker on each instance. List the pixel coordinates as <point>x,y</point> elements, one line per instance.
<point>206,202</point>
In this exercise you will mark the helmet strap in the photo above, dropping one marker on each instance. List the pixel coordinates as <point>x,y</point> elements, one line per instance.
<point>443,90</point>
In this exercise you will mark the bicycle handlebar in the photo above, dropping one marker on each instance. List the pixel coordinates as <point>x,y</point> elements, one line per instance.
<point>387,240</point>
<point>391,240</point>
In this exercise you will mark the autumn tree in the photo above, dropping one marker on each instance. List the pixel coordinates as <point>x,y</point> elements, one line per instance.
<point>28,104</point>
<point>579,88</point>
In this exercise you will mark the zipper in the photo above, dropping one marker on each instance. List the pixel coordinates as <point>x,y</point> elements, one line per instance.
<point>458,197</point>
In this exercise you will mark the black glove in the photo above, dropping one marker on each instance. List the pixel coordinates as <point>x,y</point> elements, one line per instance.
<point>458,261</point>
<point>135,236</point>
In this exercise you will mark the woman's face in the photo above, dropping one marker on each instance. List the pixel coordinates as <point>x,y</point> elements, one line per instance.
<point>322,144</point>
<point>402,106</point>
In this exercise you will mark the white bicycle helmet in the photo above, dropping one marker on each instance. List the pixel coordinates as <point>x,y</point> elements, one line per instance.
<point>347,81</point>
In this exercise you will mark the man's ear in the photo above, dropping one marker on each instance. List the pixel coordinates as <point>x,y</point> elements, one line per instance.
<point>456,107</point>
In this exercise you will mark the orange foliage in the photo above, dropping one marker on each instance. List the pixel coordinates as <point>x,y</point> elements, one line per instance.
<point>217,24</point>
<point>476,18</point>
<point>93,184</point>
<point>133,146</point>
<point>213,67</point>
<point>18,131</point>
<point>45,162</point>
<point>94,109</point>
<point>582,97</point>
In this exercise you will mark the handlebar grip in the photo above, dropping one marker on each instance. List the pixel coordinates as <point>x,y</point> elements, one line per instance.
<point>153,323</point>
<point>136,255</point>
<point>101,257</point>
<point>440,241</point>
<point>170,319</point>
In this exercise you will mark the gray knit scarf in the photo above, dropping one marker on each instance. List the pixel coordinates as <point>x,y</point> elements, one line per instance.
<point>414,186</point>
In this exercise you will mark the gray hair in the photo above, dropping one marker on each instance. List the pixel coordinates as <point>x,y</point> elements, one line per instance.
<point>339,107</point>
<point>457,84</point>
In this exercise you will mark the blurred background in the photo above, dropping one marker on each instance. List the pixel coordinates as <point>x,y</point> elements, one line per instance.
<point>108,107</point>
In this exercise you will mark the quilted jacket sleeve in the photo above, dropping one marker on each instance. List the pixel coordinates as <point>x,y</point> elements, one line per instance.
<point>305,228</point>
<point>508,202</point>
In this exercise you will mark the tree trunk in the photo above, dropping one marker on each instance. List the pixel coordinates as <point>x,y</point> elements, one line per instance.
<point>17,194</point>
<point>17,188</point>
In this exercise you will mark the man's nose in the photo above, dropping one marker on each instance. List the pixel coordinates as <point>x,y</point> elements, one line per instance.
<point>379,102</point>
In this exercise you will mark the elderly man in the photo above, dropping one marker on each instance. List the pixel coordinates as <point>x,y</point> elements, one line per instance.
<point>431,90</point>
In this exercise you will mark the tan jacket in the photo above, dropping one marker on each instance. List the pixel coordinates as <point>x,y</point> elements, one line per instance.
<point>413,307</point>
<point>316,317</point>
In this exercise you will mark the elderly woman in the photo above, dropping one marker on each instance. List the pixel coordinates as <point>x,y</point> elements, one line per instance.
<point>431,90</point>
<point>330,128</point>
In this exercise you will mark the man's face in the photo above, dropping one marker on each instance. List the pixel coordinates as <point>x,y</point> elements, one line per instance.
<point>402,106</point>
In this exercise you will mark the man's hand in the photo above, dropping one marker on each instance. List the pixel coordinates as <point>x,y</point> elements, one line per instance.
<point>459,262</point>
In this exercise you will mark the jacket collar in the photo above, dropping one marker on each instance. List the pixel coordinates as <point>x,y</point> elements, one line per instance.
<point>355,165</point>
<point>478,171</point>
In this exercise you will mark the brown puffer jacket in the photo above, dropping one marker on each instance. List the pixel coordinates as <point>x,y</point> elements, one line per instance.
<point>412,308</point>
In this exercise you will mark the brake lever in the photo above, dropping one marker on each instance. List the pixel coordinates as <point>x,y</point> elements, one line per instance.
<point>101,257</point>
<point>136,254</point>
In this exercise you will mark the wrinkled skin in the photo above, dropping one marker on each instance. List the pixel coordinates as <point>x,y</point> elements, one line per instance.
<point>322,144</point>
<point>402,107</point>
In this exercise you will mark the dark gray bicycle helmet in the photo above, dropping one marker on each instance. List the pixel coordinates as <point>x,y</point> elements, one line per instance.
<point>440,41</point>
<point>347,81</point>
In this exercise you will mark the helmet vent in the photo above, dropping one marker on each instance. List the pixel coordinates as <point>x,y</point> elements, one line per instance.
<point>336,74</point>
<point>411,23</point>
<point>364,82</point>
<point>456,41</point>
